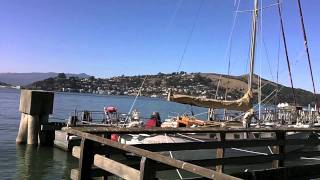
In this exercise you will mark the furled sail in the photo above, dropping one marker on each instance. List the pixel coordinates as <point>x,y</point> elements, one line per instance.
<point>242,104</point>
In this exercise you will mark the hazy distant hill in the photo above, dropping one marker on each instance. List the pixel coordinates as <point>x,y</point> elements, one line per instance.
<point>197,84</point>
<point>21,79</point>
<point>4,84</point>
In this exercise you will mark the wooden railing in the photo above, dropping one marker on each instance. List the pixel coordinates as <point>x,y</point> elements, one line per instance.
<point>96,150</point>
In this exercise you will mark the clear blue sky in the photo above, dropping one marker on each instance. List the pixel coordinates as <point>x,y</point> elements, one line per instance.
<point>114,37</point>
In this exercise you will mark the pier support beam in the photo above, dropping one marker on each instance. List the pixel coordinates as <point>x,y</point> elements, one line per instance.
<point>147,169</point>
<point>86,159</point>
<point>220,152</point>
<point>35,107</point>
<point>281,136</point>
<point>33,129</point>
<point>23,129</point>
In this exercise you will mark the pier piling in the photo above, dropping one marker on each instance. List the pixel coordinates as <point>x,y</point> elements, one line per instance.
<point>35,107</point>
<point>33,129</point>
<point>23,129</point>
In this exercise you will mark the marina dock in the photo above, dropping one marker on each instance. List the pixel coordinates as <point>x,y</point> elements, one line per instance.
<point>98,153</point>
<point>96,149</point>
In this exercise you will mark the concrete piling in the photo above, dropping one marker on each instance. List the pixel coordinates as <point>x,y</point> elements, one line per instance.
<point>23,129</point>
<point>35,107</point>
<point>33,129</point>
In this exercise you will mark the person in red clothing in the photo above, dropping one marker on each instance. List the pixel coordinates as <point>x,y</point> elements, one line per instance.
<point>154,121</point>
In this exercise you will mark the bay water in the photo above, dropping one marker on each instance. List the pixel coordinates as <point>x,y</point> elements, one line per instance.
<point>29,162</point>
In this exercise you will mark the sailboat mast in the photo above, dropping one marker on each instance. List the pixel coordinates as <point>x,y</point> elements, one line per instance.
<point>253,43</point>
<point>286,52</point>
<point>307,50</point>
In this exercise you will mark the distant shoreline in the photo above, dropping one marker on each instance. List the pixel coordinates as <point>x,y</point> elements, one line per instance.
<point>92,94</point>
<point>107,95</point>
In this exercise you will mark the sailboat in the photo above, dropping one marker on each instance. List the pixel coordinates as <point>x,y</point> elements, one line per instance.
<point>245,104</point>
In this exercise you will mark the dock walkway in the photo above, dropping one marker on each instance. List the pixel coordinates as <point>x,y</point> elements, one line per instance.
<point>96,149</point>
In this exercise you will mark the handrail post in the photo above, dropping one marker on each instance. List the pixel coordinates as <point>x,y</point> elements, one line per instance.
<point>107,174</point>
<point>147,169</point>
<point>280,136</point>
<point>86,158</point>
<point>220,152</point>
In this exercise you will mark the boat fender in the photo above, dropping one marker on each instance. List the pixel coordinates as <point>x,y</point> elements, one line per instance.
<point>114,137</point>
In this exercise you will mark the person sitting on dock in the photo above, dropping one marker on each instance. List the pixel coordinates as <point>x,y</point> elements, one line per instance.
<point>154,121</point>
<point>110,115</point>
<point>246,121</point>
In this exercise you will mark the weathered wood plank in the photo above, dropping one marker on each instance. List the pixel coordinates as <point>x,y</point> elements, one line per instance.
<point>298,154</point>
<point>86,158</point>
<point>294,172</point>
<point>204,145</point>
<point>209,145</point>
<point>233,160</point>
<point>220,152</point>
<point>147,169</point>
<point>116,168</point>
<point>213,162</point>
<point>243,160</point>
<point>217,144</point>
<point>280,149</point>
<point>196,145</point>
<point>96,173</point>
<point>155,156</point>
<point>76,150</point>
<point>52,126</point>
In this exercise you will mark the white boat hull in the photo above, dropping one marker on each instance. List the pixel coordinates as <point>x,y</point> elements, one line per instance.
<point>202,154</point>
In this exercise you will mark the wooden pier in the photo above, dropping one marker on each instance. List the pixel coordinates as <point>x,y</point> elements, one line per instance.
<point>96,154</point>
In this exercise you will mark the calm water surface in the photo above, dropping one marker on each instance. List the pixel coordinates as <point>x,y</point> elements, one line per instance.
<point>28,162</point>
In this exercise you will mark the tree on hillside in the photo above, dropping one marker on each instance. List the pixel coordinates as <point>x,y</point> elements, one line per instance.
<point>62,76</point>
<point>91,78</point>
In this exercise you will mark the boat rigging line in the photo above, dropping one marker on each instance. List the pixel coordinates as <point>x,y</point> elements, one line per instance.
<point>278,60</point>
<point>268,59</point>
<point>236,149</point>
<point>217,90</point>
<point>173,16</point>
<point>276,98</point>
<point>135,99</point>
<point>257,105</point>
<point>266,7</point>
<point>307,51</point>
<point>170,153</point>
<point>260,62</point>
<point>228,53</point>
<point>190,35</point>
<point>286,53</point>
<point>229,46</point>
<point>253,44</point>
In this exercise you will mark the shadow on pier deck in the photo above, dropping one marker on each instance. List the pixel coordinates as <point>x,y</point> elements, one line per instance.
<point>96,151</point>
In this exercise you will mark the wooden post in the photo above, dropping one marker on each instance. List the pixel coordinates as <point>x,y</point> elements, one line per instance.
<point>86,159</point>
<point>45,137</point>
<point>147,169</point>
<point>281,135</point>
<point>211,114</point>
<point>220,152</point>
<point>107,174</point>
